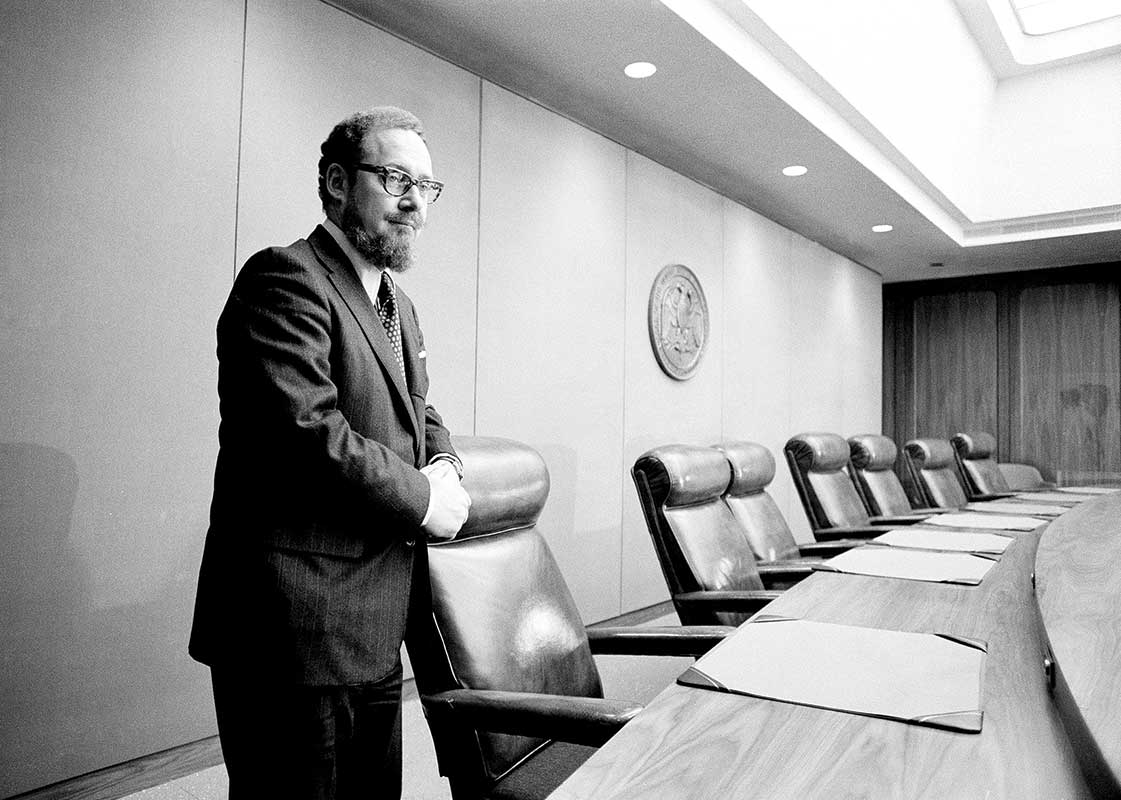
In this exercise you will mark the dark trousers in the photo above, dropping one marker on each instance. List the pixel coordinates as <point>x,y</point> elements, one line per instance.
<point>309,742</point>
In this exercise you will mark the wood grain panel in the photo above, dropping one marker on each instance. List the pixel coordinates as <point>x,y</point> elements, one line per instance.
<point>955,363</point>
<point>1068,418</point>
<point>691,743</point>
<point>1079,590</point>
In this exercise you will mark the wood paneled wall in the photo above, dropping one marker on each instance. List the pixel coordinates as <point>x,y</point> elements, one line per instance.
<point>1032,357</point>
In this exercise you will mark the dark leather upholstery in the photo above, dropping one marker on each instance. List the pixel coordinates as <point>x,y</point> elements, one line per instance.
<point>976,453</point>
<point>872,459</point>
<point>753,469</point>
<point>700,546</point>
<point>933,468</point>
<point>1023,477</point>
<point>503,663</point>
<point>817,464</point>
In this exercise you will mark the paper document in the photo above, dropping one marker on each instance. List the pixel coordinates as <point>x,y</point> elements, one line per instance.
<point>1002,507</point>
<point>921,678</point>
<point>961,541</point>
<point>1088,489</point>
<point>1052,497</point>
<point>995,522</point>
<point>914,565</point>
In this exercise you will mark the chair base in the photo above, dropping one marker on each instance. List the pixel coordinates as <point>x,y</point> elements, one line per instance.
<point>540,775</point>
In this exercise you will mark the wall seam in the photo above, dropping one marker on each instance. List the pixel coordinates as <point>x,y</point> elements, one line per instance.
<point>623,403</point>
<point>478,260</point>
<point>724,305</point>
<point>240,128</point>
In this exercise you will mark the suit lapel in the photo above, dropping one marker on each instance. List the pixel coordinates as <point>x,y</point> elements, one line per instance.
<point>345,279</point>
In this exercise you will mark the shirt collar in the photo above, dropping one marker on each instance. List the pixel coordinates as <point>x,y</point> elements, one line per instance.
<point>368,273</point>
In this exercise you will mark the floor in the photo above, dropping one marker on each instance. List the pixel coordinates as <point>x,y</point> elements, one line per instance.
<point>421,780</point>
<point>624,677</point>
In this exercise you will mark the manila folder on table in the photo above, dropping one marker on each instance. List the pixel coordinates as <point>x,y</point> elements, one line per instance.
<point>921,678</point>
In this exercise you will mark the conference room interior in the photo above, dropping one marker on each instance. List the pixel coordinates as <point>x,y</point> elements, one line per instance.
<point>945,261</point>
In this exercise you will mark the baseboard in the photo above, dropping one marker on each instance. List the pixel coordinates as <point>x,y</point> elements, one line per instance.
<point>638,616</point>
<point>133,776</point>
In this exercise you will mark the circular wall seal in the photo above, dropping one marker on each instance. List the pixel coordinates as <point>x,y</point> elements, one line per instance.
<point>678,319</point>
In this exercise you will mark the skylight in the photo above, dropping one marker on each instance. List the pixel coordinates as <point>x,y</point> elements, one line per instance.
<point>1041,17</point>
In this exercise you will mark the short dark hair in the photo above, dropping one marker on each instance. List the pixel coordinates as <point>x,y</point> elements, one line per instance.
<point>343,145</point>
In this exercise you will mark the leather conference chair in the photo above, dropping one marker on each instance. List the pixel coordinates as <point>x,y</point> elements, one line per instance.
<point>503,663</point>
<point>872,460</point>
<point>710,570</point>
<point>934,471</point>
<point>983,478</point>
<point>753,469</point>
<point>1023,477</point>
<point>818,464</point>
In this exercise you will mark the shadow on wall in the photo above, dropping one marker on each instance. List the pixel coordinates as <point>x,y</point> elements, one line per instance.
<point>1084,409</point>
<point>83,685</point>
<point>41,582</point>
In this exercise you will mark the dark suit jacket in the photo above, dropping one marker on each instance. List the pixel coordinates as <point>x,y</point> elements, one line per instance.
<point>315,551</point>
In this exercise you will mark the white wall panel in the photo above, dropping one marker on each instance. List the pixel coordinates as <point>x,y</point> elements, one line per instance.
<point>759,300</point>
<point>308,65</point>
<point>670,220</point>
<point>119,137</point>
<point>551,281</point>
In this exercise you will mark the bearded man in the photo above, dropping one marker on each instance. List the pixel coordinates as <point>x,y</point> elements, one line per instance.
<point>332,473</point>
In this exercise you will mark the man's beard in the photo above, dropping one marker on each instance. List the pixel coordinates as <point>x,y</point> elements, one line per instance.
<point>394,253</point>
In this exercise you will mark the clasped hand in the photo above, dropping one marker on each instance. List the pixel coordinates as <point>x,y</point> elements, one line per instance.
<point>448,502</point>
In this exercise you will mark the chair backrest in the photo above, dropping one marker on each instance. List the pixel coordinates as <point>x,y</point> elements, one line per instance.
<point>699,543</point>
<point>818,464</point>
<point>872,461</point>
<point>933,469</point>
<point>976,453</point>
<point>753,469</point>
<point>502,616</point>
<point>1022,477</point>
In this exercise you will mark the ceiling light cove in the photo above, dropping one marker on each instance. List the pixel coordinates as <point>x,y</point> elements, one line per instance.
<point>640,69</point>
<point>794,170</point>
<point>882,228</point>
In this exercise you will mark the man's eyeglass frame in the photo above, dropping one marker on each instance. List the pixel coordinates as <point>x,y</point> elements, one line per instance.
<point>429,189</point>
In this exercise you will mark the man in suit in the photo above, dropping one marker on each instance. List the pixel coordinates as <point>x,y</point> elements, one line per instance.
<point>332,473</point>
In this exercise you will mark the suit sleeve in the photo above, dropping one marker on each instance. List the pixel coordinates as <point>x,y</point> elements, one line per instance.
<point>275,340</point>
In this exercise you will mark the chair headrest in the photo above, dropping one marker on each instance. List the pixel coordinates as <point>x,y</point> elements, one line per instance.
<point>872,452</point>
<point>931,453</point>
<point>818,452</point>
<point>974,444</point>
<point>753,466</point>
<point>690,474</point>
<point>508,483</point>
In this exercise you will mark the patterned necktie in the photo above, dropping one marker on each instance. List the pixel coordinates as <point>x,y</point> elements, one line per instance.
<point>390,319</point>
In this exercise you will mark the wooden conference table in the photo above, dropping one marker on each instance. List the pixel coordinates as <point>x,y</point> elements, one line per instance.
<point>1036,741</point>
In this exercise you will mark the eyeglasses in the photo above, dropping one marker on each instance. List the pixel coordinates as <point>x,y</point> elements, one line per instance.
<point>396,183</point>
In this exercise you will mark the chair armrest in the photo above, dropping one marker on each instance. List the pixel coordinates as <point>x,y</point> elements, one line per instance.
<point>580,720</point>
<point>926,512</point>
<point>992,496</point>
<point>677,640</point>
<point>828,549</point>
<point>747,600</point>
<point>898,519</point>
<point>853,532</point>
<point>786,573</point>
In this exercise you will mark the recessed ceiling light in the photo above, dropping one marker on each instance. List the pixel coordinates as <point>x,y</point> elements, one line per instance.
<point>882,228</point>
<point>794,170</point>
<point>640,69</point>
